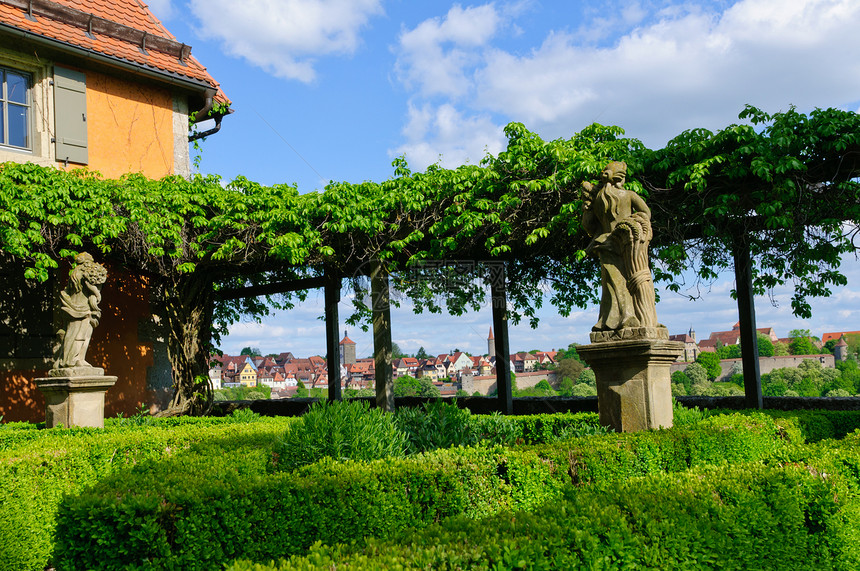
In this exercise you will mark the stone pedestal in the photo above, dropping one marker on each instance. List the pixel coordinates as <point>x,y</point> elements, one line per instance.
<point>634,390</point>
<point>75,400</point>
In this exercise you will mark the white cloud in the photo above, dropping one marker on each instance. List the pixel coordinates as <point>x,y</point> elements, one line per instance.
<point>446,136</point>
<point>284,37</point>
<point>678,68</point>
<point>685,70</point>
<point>434,56</point>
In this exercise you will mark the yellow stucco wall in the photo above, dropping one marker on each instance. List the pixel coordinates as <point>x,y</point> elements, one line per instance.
<point>129,127</point>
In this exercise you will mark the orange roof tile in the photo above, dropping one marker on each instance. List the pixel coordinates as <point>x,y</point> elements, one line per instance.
<point>836,335</point>
<point>114,36</point>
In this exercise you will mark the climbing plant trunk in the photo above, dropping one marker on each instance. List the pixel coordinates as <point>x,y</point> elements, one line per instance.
<point>499,295</point>
<point>332,332</point>
<point>187,304</point>
<point>746,320</point>
<point>382,337</point>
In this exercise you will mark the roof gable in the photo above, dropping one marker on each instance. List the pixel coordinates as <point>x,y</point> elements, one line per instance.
<point>124,31</point>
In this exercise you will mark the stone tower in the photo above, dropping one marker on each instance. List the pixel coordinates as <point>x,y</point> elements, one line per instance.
<point>347,350</point>
<point>840,350</point>
<point>491,345</point>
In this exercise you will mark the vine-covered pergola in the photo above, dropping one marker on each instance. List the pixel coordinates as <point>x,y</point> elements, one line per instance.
<point>776,199</point>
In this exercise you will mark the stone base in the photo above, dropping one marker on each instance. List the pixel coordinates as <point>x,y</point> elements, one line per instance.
<point>629,333</point>
<point>75,401</point>
<point>76,372</point>
<point>634,389</point>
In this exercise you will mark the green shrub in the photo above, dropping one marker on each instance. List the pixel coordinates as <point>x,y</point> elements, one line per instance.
<point>436,424</point>
<point>150,517</point>
<point>244,415</point>
<point>728,517</point>
<point>38,468</point>
<point>339,430</point>
<point>684,416</point>
<point>197,488</point>
<point>497,429</point>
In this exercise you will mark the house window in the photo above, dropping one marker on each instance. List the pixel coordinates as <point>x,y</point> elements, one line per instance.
<point>15,118</point>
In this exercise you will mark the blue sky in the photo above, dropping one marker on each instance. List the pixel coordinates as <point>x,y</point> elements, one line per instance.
<point>336,89</point>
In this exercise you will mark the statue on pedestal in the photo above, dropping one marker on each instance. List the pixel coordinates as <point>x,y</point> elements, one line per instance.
<point>619,222</point>
<point>74,390</point>
<point>80,303</point>
<point>630,353</point>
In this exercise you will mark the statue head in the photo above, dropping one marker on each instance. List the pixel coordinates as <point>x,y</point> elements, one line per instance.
<point>83,258</point>
<point>614,173</point>
<point>87,268</point>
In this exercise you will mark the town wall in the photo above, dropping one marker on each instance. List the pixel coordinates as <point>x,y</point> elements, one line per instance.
<point>486,384</point>
<point>766,364</point>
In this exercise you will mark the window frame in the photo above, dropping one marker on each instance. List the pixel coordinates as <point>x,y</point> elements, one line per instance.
<point>6,103</point>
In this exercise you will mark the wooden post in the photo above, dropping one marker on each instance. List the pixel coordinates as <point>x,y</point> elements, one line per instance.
<point>746,319</point>
<point>381,310</point>
<point>500,326</point>
<point>332,330</point>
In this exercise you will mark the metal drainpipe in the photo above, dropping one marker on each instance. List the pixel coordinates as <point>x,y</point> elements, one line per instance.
<point>211,131</point>
<point>207,108</point>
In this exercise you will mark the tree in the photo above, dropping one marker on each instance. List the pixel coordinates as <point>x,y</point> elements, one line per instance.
<point>587,377</point>
<point>584,390</point>
<point>421,354</point>
<point>696,373</point>
<point>570,353</point>
<point>566,387</point>
<point>543,385</point>
<point>729,352</point>
<point>681,378</point>
<point>301,390</point>
<point>767,188</point>
<point>711,364</point>
<point>396,353</point>
<point>569,368</point>
<point>850,373</point>
<point>802,346</point>
<point>765,345</point>
<point>407,386</point>
<point>253,352</point>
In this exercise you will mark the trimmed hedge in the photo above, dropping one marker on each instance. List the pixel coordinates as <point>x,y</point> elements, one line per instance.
<point>748,516</point>
<point>38,468</point>
<point>149,517</point>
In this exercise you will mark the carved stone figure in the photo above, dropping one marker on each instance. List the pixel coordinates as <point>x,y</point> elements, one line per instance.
<point>619,222</point>
<point>80,303</point>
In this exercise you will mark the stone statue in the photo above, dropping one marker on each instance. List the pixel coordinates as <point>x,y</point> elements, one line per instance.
<point>619,222</point>
<point>80,303</point>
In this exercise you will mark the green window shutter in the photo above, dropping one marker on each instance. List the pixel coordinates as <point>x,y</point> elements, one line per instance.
<point>70,112</point>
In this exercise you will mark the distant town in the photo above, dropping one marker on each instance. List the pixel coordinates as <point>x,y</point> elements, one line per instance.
<point>457,372</point>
